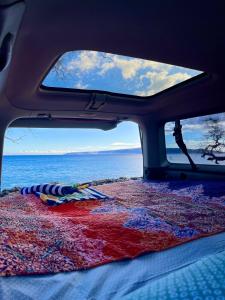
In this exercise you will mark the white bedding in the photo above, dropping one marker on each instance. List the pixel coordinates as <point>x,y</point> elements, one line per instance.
<point>111,281</point>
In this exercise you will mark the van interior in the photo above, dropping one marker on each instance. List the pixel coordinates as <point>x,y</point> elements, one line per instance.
<point>94,65</point>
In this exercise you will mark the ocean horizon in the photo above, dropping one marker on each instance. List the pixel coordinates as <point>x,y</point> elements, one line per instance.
<point>26,170</point>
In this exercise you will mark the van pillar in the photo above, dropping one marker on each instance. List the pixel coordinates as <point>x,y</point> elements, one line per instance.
<point>153,147</point>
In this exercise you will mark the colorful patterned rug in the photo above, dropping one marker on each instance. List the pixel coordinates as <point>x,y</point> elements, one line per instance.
<point>142,217</point>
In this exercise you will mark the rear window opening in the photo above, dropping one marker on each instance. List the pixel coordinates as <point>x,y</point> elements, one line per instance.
<point>34,156</point>
<point>204,138</point>
<point>99,71</point>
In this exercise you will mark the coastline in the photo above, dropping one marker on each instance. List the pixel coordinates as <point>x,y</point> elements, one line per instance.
<point>6,192</point>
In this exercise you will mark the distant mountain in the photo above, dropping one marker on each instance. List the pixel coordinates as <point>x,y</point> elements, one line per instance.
<point>119,151</point>
<point>130,151</point>
<point>177,150</point>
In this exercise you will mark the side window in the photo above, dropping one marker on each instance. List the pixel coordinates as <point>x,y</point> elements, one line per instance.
<point>204,138</point>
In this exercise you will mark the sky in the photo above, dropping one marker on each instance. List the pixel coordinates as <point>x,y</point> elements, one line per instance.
<point>35,141</point>
<point>107,72</point>
<point>196,131</point>
<point>114,73</point>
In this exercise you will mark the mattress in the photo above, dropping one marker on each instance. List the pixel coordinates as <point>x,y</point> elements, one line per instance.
<point>198,281</point>
<point>111,281</point>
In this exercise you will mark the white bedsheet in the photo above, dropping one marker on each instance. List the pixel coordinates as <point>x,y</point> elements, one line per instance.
<point>111,281</point>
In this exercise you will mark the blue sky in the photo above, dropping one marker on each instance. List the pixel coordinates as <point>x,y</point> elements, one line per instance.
<point>34,141</point>
<point>195,131</point>
<point>58,141</point>
<point>115,73</point>
<point>101,71</point>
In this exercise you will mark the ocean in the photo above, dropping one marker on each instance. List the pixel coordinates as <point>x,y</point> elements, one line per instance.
<point>27,170</point>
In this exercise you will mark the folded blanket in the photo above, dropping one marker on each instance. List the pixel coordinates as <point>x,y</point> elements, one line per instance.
<point>54,194</point>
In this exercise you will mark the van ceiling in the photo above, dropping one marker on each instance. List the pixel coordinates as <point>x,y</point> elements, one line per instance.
<point>188,34</point>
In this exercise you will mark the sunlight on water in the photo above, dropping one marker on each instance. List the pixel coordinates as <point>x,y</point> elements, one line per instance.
<point>28,170</point>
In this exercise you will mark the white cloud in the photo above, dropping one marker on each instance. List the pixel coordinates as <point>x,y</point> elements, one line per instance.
<point>192,125</point>
<point>86,61</point>
<point>129,67</point>
<point>159,81</point>
<point>118,144</point>
<point>81,86</point>
<point>158,75</point>
<point>186,128</point>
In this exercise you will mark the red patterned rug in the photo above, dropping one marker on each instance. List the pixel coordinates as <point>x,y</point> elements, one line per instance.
<point>143,217</point>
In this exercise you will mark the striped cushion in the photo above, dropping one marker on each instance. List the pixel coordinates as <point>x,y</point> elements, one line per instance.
<point>49,189</point>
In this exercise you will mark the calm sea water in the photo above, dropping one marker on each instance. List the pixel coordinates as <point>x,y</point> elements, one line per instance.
<point>37,169</point>
<point>181,158</point>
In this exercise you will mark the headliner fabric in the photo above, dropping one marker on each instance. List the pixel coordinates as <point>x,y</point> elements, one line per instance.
<point>113,281</point>
<point>36,239</point>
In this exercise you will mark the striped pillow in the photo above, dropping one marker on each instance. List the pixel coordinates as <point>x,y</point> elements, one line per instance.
<point>49,189</point>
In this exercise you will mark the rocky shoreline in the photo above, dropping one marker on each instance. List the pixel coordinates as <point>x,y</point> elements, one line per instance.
<point>6,192</point>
